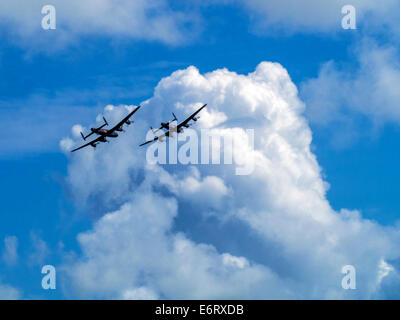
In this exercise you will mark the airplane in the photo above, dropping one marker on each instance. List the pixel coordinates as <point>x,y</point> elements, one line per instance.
<point>165,125</point>
<point>104,133</point>
<point>178,128</point>
<point>95,130</point>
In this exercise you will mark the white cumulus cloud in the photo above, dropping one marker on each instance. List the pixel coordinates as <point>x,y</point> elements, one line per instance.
<point>139,246</point>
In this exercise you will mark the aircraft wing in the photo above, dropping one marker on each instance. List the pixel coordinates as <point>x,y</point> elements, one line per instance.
<point>185,122</point>
<point>89,143</point>
<point>155,130</point>
<point>123,120</point>
<point>165,134</point>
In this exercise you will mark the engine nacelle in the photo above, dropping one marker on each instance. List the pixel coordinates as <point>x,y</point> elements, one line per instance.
<point>164,125</point>
<point>128,122</point>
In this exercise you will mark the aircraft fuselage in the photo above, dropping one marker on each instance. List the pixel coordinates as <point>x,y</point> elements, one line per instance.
<point>105,133</point>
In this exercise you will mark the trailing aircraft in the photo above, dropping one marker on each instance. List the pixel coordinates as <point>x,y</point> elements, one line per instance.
<point>165,125</point>
<point>178,128</point>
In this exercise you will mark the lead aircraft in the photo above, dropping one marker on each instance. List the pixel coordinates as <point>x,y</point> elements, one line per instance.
<point>106,133</point>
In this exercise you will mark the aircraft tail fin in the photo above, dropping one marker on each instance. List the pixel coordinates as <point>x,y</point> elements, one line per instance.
<point>83,137</point>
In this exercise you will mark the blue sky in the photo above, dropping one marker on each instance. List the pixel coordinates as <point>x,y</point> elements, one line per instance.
<point>48,86</point>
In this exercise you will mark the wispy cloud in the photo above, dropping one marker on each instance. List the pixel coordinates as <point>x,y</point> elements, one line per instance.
<point>9,293</point>
<point>39,250</point>
<point>339,96</point>
<point>10,253</point>
<point>321,17</point>
<point>136,20</point>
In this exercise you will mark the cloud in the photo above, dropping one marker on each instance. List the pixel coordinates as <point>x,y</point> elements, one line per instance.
<point>176,24</point>
<point>314,16</point>
<point>136,20</point>
<point>141,293</point>
<point>40,251</point>
<point>10,253</point>
<point>50,115</point>
<point>49,119</point>
<point>345,96</point>
<point>143,240</point>
<point>208,192</point>
<point>9,293</point>
<point>134,253</point>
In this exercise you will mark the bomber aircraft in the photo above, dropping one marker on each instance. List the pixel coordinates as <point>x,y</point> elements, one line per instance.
<point>172,128</point>
<point>165,125</point>
<point>104,133</point>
